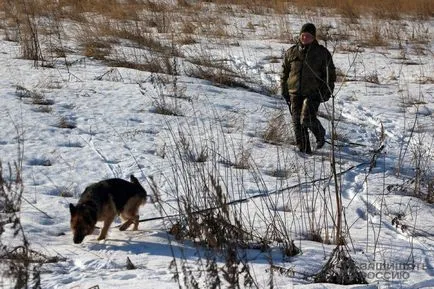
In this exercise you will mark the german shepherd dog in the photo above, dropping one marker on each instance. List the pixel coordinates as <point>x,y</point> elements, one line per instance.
<point>103,201</point>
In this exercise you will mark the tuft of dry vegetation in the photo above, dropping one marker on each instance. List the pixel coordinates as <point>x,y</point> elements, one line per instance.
<point>20,266</point>
<point>277,131</point>
<point>124,33</point>
<point>66,123</point>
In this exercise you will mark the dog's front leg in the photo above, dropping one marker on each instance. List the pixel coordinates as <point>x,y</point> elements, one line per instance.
<point>105,228</point>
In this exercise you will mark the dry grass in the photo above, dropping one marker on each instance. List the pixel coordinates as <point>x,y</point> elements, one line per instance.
<point>277,131</point>
<point>104,25</point>
<point>66,123</point>
<point>160,12</point>
<point>372,77</point>
<point>383,9</point>
<point>217,71</point>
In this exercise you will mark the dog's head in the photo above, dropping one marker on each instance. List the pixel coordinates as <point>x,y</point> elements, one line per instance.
<point>83,220</point>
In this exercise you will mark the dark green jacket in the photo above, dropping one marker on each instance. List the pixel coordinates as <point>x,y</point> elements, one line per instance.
<point>308,72</point>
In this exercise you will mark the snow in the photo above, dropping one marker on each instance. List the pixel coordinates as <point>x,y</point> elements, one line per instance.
<point>116,132</point>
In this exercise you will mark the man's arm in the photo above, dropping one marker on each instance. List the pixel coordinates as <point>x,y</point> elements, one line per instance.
<point>331,73</point>
<point>328,76</point>
<point>286,69</point>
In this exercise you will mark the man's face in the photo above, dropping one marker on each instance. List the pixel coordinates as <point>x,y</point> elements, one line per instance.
<point>306,38</point>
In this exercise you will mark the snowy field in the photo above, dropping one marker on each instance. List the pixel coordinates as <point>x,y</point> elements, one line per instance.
<point>88,121</point>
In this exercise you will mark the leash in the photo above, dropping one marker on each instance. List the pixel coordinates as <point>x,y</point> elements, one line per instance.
<point>261,195</point>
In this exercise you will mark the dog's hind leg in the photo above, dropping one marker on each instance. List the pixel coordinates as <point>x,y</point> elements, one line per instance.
<point>136,223</point>
<point>125,225</point>
<point>132,220</point>
<point>131,213</point>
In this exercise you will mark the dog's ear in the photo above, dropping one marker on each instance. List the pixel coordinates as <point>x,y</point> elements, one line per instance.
<point>133,179</point>
<point>72,209</point>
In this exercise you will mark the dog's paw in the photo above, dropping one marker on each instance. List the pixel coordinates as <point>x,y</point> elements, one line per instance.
<point>124,227</point>
<point>101,238</point>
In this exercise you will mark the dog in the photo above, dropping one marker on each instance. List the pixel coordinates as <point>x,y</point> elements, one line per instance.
<point>103,201</point>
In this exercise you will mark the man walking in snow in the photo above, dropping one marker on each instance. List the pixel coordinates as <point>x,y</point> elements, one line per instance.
<point>307,79</point>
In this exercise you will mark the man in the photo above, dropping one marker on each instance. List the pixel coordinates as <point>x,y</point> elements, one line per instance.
<point>307,79</point>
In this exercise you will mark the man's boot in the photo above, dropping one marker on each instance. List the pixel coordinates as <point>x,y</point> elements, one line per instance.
<point>320,143</point>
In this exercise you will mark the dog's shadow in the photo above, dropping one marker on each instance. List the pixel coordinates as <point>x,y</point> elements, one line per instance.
<point>161,244</point>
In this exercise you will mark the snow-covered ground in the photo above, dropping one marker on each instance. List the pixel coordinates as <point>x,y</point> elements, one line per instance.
<point>115,131</point>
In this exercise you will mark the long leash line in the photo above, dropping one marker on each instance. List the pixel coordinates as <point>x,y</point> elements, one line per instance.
<point>242,200</point>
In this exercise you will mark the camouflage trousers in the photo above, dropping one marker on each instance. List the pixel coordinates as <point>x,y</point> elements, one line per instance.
<point>303,114</point>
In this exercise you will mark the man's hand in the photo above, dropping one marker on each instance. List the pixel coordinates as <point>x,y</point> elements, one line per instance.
<point>288,102</point>
<point>285,95</point>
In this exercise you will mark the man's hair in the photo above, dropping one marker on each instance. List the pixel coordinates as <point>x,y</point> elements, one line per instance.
<point>308,27</point>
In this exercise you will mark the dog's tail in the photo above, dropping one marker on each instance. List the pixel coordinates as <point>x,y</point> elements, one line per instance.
<point>135,181</point>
